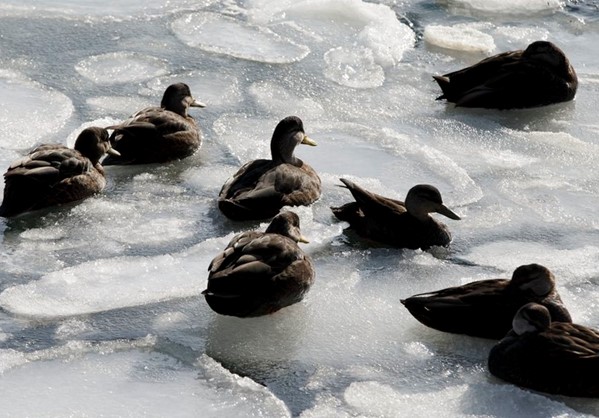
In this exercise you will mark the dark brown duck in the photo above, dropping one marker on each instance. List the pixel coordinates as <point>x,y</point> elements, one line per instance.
<point>158,134</point>
<point>395,223</point>
<point>260,188</point>
<point>486,308</point>
<point>537,76</point>
<point>548,356</point>
<point>259,273</point>
<point>53,174</point>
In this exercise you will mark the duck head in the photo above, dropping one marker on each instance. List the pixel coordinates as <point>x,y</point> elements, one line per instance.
<point>423,199</point>
<point>286,224</point>
<point>534,280</point>
<point>531,318</point>
<point>94,143</point>
<point>548,53</point>
<point>288,134</point>
<point>177,98</point>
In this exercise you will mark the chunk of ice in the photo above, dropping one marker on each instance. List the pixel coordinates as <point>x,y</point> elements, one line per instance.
<point>220,34</point>
<point>121,67</point>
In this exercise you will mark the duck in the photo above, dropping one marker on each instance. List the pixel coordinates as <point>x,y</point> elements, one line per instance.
<point>260,188</point>
<point>53,174</point>
<point>258,273</point>
<point>548,356</point>
<point>158,134</point>
<point>539,75</point>
<point>485,308</point>
<point>395,223</point>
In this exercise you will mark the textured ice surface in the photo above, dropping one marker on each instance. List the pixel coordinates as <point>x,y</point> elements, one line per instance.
<point>24,116</point>
<point>121,67</point>
<point>462,37</point>
<point>505,6</point>
<point>224,35</point>
<point>157,385</point>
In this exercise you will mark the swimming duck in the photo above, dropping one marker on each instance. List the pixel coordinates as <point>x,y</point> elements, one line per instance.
<point>260,188</point>
<point>486,308</point>
<point>395,223</point>
<point>537,76</point>
<point>53,174</point>
<point>158,134</point>
<point>259,273</point>
<point>548,356</point>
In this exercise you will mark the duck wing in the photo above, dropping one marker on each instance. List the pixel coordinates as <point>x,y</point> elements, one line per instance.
<point>372,204</point>
<point>479,309</point>
<point>250,262</point>
<point>153,135</point>
<point>38,179</point>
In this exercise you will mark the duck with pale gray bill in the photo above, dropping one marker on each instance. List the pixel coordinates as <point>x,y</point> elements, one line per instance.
<point>485,308</point>
<point>260,188</point>
<point>158,134</point>
<point>53,174</point>
<point>537,76</point>
<point>546,355</point>
<point>395,223</point>
<point>259,273</point>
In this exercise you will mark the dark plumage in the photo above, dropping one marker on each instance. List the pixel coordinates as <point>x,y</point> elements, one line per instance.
<point>548,356</point>
<point>486,308</point>
<point>260,272</point>
<point>395,223</point>
<point>260,188</point>
<point>53,174</point>
<point>537,76</point>
<point>158,134</point>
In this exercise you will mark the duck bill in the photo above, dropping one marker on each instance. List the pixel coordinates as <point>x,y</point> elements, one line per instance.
<point>308,141</point>
<point>112,151</point>
<point>444,210</point>
<point>303,239</point>
<point>196,103</point>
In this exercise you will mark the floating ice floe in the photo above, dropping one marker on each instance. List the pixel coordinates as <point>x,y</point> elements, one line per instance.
<point>377,37</point>
<point>148,383</point>
<point>121,67</point>
<point>462,37</point>
<point>221,34</point>
<point>90,287</point>
<point>30,112</point>
<point>505,6</point>
<point>280,101</point>
<point>123,10</point>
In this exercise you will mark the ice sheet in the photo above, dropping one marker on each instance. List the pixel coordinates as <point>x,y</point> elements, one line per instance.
<point>121,67</point>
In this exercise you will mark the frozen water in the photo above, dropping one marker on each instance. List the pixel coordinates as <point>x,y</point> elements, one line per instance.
<point>505,6</point>
<point>462,37</point>
<point>121,67</point>
<point>224,35</point>
<point>101,305</point>
<point>26,97</point>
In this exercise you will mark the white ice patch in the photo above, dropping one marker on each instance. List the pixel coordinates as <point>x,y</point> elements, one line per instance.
<point>376,38</point>
<point>141,382</point>
<point>101,285</point>
<point>29,111</point>
<point>220,34</point>
<point>520,37</point>
<point>462,37</point>
<point>508,7</point>
<point>121,67</point>
<point>124,9</point>
<point>353,67</point>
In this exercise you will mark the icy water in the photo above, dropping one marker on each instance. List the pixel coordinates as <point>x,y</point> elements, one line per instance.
<point>101,311</point>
